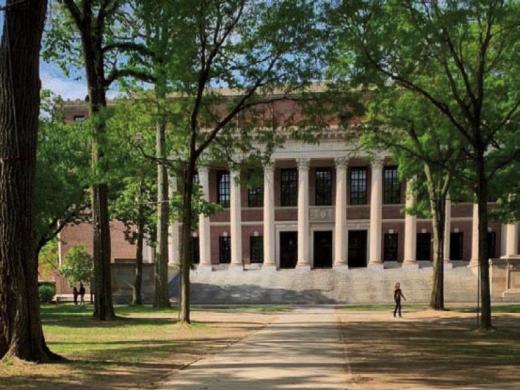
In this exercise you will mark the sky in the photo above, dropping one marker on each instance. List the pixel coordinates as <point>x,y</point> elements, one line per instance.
<point>54,79</point>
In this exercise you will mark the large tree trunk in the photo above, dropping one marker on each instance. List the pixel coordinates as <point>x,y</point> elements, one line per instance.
<point>162,298</point>
<point>483,257</point>
<point>438,216</point>
<point>160,44</point>
<point>21,334</point>
<point>186,248</point>
<point>437,198</point>
<point>137,298</point>
<point>103,307</point>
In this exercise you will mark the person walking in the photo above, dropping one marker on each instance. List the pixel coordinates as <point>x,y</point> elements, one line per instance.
<point>398,294</point>
<point>75,294</point>
<point>82,293</point>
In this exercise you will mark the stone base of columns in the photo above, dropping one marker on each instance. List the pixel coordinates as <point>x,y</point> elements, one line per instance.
<point>236,267</point>
<point>340,266</point>
<point>374,265</point>
<point>268,267</point>
<point>204,268</point>
<point>303,267</point>
<point>410,264</point>
<point>473,263</point>
<point>448,264</point>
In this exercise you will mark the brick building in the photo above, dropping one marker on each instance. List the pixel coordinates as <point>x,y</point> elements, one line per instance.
<point>321,206</point>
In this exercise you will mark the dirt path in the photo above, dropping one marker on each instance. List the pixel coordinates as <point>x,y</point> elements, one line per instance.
<point>302,349</point>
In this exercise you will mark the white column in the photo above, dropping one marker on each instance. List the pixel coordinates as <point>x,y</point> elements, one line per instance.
<point>303,213</point>
<point>447,234</point>
<point>474,237</point>
<point>269,229</point>
<point>340,252</point>
<point>512,240</point>
<point>410,229</point>
<point>204,227</point>
<point>173,230</point>
<point>235,219</point>
<point>376,213</point>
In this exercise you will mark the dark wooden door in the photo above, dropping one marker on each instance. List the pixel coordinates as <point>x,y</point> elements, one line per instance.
<point>424,246</point>
<point>357,248</point>
<point>288,249</point>
<point>323,249</point>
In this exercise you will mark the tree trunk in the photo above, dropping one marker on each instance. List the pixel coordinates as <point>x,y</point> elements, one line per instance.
<point>162,297</point>
<point>437,198</point>
<point>483,257</point>
<point>186,249</point>
<point>94,66</point>
<point>21,334</point>
<point>137,298</point>
<point>438,216</point>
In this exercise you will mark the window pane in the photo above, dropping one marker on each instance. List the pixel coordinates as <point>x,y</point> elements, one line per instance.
<point>223,188</point>
<point>391,186</point>
<point>390,247</point>
<point>224,250</point>
<point>358,185</point>
<point>323,187</point>
<point>289,187</point>
<point>492,244</point>
<point>195,259</point>
<point>255,195</point>
<point>256,249</point>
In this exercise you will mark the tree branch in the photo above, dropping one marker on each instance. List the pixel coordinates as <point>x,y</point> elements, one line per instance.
<point>116,74</point>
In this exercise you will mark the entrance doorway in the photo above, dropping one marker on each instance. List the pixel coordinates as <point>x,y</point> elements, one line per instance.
<point>357,248</point>
<point>323,249</point>
<point>288,249</point>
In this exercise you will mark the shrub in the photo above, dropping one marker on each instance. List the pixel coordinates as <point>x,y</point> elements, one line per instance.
<point>46,293</point>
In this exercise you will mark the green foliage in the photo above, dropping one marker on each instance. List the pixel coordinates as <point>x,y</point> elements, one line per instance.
<point>48,259</point>
<point>62,171</point>
<point>46,293</point>
<point>77,265</point>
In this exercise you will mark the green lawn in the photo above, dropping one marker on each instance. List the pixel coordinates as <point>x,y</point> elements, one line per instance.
<point>497,308</point>
<point>143,344</point>
<point>382,307</point>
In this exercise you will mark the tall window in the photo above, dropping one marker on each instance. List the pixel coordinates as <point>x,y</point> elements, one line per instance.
<point>255,195</point>
<point>424,242</point>
<point>224,249</point>
<point>492,244</point>
<point>289,187</point>
<point>195,254</point>
<point>358,185</point>
<point>256,249</point>
<point>223,188</point>
<point>456,246</point>
<point>390,247</point>
<point>391,186</point>
<point>323,180</point>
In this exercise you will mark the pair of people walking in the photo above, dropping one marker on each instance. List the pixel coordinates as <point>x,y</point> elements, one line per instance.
<point>80,293</point>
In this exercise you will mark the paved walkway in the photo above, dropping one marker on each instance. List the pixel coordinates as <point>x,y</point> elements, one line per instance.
<point>302,349</point>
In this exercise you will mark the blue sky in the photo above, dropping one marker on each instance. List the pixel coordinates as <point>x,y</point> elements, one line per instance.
<point>54,79</point>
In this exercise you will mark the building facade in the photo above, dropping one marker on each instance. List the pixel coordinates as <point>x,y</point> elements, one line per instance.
<point>316,206</point>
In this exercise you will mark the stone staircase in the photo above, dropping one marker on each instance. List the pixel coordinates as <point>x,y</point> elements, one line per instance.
<point>360,286</point>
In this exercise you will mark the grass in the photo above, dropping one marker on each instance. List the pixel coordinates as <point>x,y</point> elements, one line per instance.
<point>496,308</point>
<point>429,350</point>
<point>383,307</point>
<point>143,344</point>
